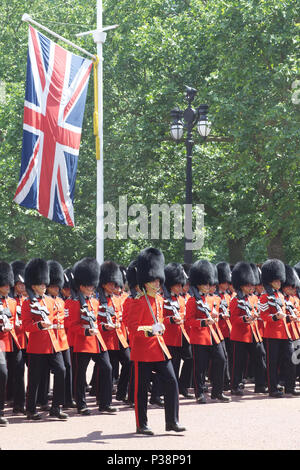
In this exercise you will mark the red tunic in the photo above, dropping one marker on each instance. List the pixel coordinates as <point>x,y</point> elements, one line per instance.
<point>291,311</point>
<point>242,330</point>
<point>113,337</point>
<point>67,320</point>
<point>143,348</point>
<point>58,323</point>
<point>223,309</point>
<point>260,321</point>
<point>297,310</point>
<point>199,333</point>
<point>78,325</point>
<point>7,337</point>
<point>174,332</point>
<point>22,335</point>
<point>273,328</point>
<point>40,341</point>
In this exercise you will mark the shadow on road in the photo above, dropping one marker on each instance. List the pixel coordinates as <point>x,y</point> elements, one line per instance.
<point>99,438</point>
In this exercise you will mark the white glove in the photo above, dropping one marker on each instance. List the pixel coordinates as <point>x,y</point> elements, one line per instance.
<point>158,328</point>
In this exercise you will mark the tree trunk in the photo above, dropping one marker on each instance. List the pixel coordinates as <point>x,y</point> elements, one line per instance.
<point>17,246</point>
<point>275,247</point>
<point>236,249</point>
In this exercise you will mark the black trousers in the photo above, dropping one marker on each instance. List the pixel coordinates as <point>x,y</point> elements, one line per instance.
<point>202,354</point>
<point>121,356</point>
<point>228,347</point>
<point>280,350</point>
<point>12,362</point>
<point>103,377</point>
<point>37,364</point>
<point>240,353</point>
<point>131,383</point>
<point>15,387</point>
<point>182,353</point>
<point>142,377</point>
<point>69,376</point>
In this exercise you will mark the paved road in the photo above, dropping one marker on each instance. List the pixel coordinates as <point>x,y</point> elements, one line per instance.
<point>251,422</point>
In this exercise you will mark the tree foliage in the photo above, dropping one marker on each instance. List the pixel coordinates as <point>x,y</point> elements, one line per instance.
<point>243,58</point>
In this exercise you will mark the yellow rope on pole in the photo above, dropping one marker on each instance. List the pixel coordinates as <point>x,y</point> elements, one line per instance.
<point>96,114</point>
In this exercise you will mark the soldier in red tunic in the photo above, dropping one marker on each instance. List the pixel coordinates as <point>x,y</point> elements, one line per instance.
<point>113,329</point>
<point>245,336</point>
<point>57,280</point>
<point>148,349</point>
<point>88,343</point>
<point>277,336</point>
<point>205,336</point>
<point>10,351</point>
<point>224,280</point>
<point>288,289</point>
<point>43,347</point>
<point>16,374</point>
<point>175,336</point>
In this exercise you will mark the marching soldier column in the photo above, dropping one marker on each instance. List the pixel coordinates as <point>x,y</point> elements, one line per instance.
<point>165,328</point>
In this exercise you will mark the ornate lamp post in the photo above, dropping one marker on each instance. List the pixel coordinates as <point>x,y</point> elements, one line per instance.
<point>187,120</point>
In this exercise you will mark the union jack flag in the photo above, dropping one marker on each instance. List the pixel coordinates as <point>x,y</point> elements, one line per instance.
<point>56,88</point>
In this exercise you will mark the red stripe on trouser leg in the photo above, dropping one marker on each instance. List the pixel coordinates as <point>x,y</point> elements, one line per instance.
<point>194,372</point>
<point>233,366</point>
<point>136,381</point>
<point>268,363</point>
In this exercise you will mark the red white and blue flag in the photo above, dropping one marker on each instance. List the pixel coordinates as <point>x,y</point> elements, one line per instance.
<point>56,88</point>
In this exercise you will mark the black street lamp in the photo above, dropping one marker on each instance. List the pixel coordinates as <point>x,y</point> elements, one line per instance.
<point>188,119</point>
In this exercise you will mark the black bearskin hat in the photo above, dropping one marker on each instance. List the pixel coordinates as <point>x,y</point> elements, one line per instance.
<point>68,278</point>
<point>291,277</point>
<point>216,278</point>
<point>242,274</point>
<point>257,273</point>
<point>18,268</point>
<point>110,272</point>
<point>6,274</point>
<point>56,274</point>
<point>131,275</point>
<point>86,272</point>
<point>297,268</point>
<point>272,270</point>
<point>202,272</point>
<point>174,274</point>
<point>150,266</point>
<point>36,272</point>
<point>224,272</point>
<point>123,272</point>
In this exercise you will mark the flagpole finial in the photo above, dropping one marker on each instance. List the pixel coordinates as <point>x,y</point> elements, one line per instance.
<point>26,17</point>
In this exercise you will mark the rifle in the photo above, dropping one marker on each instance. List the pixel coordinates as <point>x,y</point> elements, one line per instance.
<point>293,318</point>
<point>37,308</point>
<point>86,314</point>
<point>18,321</point>
<point>243,305</point>
<point>204,307</point>
<point>5,315</point>
<point>109,311</point>
<point>291,310</point>
<point>172,305</point>
<point>274,302</point>
<point>224,307</point>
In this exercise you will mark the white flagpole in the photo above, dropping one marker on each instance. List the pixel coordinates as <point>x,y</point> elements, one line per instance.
<point>99,38</point>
